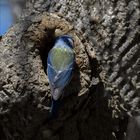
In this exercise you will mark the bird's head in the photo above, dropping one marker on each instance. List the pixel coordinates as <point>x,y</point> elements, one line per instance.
<point>67,39</point>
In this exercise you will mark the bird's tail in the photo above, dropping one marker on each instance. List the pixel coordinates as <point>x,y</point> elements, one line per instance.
<point>54,108</point>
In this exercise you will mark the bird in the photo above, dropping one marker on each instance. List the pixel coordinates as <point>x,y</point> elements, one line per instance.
<point>60,65</point>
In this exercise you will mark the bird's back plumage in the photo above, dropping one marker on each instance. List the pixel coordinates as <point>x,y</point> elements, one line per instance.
<point>61,58</point>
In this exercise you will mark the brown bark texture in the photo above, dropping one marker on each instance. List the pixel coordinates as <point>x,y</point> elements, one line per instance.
<point>105,88</point>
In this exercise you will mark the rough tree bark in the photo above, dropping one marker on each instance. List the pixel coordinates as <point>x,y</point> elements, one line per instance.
<point>104,91</point>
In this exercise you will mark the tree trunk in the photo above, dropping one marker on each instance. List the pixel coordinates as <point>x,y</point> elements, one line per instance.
<point>104,90</point>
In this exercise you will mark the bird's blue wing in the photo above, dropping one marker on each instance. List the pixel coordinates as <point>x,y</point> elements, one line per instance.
<point>51,74</point>
<point>63,78</point>
<point>59,79</point>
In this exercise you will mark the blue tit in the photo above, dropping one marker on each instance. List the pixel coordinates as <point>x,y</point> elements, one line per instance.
<point>60,63</point>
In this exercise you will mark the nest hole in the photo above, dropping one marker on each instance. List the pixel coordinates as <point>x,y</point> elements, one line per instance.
<point>47,42</point>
